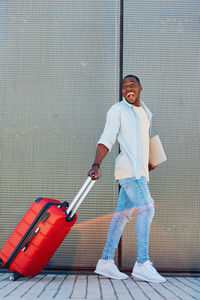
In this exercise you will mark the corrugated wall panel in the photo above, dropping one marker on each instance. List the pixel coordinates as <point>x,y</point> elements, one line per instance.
<point>60,73</point>
<point>161,46</point>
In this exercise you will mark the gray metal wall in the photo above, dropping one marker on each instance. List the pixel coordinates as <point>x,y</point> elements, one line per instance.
<point>161,46</point>
<point>59,75</point>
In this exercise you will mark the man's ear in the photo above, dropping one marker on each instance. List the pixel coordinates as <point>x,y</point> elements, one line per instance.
<point>140,88</point>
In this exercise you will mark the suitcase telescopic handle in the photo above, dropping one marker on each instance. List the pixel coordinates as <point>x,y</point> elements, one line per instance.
<point>80,196</point>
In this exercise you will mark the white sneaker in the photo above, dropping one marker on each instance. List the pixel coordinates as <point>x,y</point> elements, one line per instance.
<point>147,272</point>
<point>109,269</point>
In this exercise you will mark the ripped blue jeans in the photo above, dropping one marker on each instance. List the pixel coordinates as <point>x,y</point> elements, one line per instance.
<point>134,194</point>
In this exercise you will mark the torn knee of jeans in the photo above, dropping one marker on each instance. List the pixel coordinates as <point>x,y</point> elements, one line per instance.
<point>128,218</point>
<point>126,214</point>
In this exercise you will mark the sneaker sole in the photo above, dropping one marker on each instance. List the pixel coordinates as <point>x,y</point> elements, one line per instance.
<point>109,276</point>
<point>148,280</point>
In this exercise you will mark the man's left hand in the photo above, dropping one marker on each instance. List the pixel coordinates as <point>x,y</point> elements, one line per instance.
<point>151,167</point>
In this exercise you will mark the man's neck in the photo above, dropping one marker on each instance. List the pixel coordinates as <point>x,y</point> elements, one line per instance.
<point>137,105</point>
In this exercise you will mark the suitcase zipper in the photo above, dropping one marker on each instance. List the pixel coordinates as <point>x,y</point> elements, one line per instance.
<point>29,240</point>
<point>28,233</point>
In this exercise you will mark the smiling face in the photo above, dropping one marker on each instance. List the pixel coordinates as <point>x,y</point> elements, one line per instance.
<point>131,90</point>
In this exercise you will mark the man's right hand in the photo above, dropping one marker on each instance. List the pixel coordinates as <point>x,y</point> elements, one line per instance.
<point>96,171</point>
<point>101,152</point>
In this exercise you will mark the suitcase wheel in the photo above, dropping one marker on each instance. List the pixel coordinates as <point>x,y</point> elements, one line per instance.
<point>14,276</point>
<point>1,263</point>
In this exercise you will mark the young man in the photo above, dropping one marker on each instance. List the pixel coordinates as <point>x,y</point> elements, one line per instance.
<point>128,122</point>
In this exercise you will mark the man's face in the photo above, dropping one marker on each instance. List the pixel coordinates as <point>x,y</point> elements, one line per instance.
<point>131,90</point>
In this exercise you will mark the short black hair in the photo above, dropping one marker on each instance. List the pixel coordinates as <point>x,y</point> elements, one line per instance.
<point>138,80</point>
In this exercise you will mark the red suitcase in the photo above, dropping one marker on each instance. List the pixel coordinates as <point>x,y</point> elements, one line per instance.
<point>39,234</point>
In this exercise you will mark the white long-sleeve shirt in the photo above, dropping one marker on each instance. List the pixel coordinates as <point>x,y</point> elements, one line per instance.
<point>123,124</point>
